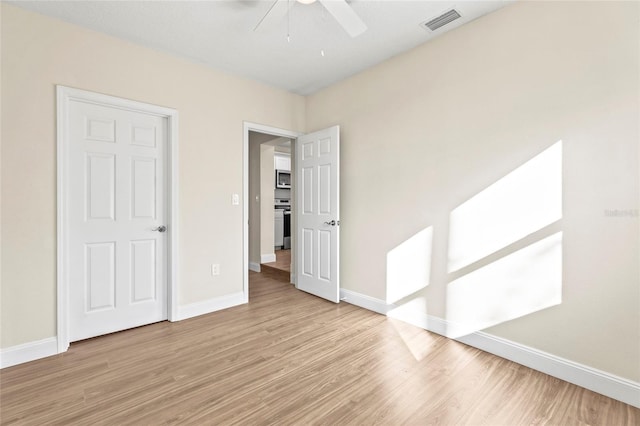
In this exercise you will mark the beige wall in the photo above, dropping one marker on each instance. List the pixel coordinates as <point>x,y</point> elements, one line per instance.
<point>37,54</point>
<point>255,139</point>
<point>421,134</point>
<point>254,200</point>
<point>428,130</point>
<point>267,186</point>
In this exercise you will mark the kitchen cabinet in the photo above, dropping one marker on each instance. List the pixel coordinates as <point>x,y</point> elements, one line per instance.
<point>282,161</point>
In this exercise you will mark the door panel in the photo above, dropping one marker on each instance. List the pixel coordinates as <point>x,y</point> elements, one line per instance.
<point>101,183</point>
<point>143,270</point>
<point>324,258</point>
<point>143,194</point>
<point>143,136</point>
<point>100,129</point>
<point>306,198</point>
<point>318,217</point>
<point>307,250</point>
<point>117,277</point>
<point>324,189</point>
<point>100,276</point>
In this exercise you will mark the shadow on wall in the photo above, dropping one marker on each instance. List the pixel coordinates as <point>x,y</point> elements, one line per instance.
<point>504,257</point>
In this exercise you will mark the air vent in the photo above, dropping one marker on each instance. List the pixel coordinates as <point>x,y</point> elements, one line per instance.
<point>441,20</point>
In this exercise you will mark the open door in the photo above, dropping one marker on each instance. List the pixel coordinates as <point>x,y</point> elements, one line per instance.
<point>318,213</point>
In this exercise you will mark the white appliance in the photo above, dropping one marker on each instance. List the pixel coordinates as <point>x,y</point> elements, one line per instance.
<point>286,244</point>
<point>282,223</point>
<point>278,235</point>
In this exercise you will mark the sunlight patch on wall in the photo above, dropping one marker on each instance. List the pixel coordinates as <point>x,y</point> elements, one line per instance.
<point>409,266</point>
<point>523,282</point>
<point>522,202</point>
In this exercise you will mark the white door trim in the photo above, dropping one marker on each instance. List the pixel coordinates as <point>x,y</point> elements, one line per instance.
<point>64,96</point>
<point>253,127</point>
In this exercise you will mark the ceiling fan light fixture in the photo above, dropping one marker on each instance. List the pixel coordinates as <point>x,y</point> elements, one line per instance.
<point>340,10</point>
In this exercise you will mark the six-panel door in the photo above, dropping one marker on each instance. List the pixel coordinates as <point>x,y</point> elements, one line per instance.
<point>116,199</point>
<point>317,166</point>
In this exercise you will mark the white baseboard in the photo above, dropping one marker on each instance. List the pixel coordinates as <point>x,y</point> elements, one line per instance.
<point>267,258</point>
<point>587,377</point>
<point>253,266</point>
<point>419,319</point>
<point>590,378</point>
<point>43,348</point>
<point>211,305</point>
<point>26,352</point>
<point>366,302</point>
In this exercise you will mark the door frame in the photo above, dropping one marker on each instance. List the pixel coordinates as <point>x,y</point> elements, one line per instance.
<point>64,96</point>
<point>260,128</point>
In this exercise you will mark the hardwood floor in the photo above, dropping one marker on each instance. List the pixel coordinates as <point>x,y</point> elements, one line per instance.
<point>283,260</point>
<point>281,268</point>
<point>291,358</point>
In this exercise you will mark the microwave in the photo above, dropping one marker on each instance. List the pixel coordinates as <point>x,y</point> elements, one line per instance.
<point>283,179</point>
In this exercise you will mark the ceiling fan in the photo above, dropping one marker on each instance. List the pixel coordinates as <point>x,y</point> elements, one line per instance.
<point>339,9</point>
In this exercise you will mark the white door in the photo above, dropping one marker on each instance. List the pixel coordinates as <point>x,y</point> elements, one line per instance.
<point>117,209</point>
<point>318,213</point>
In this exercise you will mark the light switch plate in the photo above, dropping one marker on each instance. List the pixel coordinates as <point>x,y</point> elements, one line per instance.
<point>235,199</point>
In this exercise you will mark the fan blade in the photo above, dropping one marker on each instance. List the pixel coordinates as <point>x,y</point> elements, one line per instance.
<point>274,15</point>
<point>344,14</point>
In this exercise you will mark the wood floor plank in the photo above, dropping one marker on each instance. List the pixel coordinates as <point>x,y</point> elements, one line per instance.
<point>283,260</point>
<point>289,358</point>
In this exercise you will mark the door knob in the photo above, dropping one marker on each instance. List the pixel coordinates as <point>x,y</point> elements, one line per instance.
<point>332,223</point>
<point>160,228</point>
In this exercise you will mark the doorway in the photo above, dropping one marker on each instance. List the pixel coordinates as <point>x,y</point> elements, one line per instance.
<point>316,203</point>
<point>269,201</point>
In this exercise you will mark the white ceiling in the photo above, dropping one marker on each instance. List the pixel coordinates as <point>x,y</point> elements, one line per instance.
<point>221,34</point>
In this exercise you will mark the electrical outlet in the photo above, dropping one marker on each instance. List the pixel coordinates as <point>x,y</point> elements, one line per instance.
<point>215,269</point>
<point>235,199</point>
